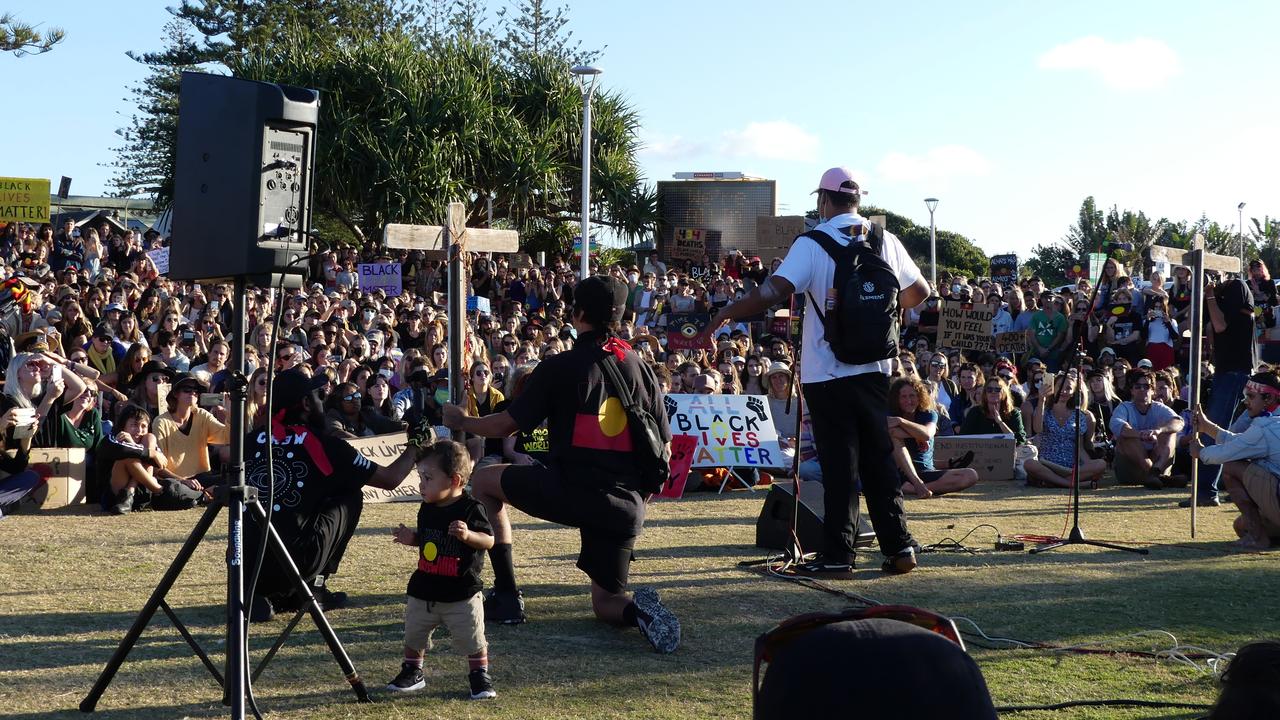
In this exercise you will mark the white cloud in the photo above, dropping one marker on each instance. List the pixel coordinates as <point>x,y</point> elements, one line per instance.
<point>936,166</point>
<point>670,147</point>
<point>1139,64</point>
<point>772,140</point>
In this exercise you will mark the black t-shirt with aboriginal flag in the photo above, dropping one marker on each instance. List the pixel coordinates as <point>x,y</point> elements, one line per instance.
<point>308,469</point>
<point>448,569</point>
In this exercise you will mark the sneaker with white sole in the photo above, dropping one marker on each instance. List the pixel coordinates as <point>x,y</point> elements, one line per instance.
<point>658,624</point>
<point>821,566</point>
<point>481,685</point>
<point>410,679</point>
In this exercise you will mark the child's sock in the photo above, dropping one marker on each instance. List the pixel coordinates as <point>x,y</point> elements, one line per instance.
<point>413,659</point>
<point>479,661</point>
<point>504,572</point>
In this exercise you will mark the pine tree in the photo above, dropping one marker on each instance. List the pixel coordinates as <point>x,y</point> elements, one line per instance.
<point>21,38</point>
<point>536,29</point>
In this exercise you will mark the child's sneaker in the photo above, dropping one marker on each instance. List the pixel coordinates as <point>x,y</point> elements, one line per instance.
<point>481,685</point>
<point>409,679</point>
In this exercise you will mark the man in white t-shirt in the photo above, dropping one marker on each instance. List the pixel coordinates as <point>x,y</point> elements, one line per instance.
<point>848,403</point>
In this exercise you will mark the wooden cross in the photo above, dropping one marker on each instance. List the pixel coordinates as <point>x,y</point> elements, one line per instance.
<point>452,238</point>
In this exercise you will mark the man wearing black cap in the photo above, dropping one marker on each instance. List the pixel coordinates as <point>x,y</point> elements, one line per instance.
<point>590,481</point>
<point>314,492</point>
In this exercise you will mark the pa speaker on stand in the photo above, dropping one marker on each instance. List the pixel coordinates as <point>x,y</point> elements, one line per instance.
<point>773,527</point>
<point>243,180</point>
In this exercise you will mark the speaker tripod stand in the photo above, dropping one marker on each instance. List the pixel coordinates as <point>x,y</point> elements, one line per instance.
<point>235,496</point>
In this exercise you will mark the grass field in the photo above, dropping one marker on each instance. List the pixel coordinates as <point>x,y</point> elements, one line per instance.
<point>71,582</point>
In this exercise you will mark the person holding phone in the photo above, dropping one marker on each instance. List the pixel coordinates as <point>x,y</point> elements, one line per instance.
<point>39,382</point>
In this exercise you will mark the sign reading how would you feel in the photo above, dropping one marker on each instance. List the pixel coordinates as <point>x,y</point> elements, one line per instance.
<point>965,327</point>
<point>731,430</point>
<point>380,276</point>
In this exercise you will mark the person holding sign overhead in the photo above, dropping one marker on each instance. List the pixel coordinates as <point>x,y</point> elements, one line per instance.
<point>847,402</point>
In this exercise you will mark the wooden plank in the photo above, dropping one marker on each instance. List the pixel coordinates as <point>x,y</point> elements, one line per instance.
<point>1178,256</point>
<point>431,238</point>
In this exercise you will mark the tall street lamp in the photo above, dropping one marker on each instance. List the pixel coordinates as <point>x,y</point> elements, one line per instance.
<point>1240,233</point>
<point>587,81</point>
<point>932,203</point>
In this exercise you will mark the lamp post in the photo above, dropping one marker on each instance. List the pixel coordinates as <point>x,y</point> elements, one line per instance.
<point>1240,233</point>
<point>587,81</point>
<point>932,203</point>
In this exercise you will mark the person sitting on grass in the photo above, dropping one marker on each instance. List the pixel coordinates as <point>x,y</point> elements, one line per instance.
<point>1145,434</point>
<point>1056,424</point>
<point>1253,486</point>
<point>997,414</point>
<point>136,466</point>
<point>452,534</point>
<point>912,424</point>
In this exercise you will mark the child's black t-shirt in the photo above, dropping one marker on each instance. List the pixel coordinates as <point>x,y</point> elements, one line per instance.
<point>448,569</point>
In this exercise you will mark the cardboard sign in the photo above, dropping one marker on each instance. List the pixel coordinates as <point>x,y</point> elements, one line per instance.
<point>1011,342</point>
<point>63,472</point>
<point>1004,268</point>
<point>160,257</point>
<point>383,450</point>
<point>24,200</point>
<point>381,276</point>
<point>964,327</point>
<point>688,244</point>
<point>684,328</point>
<point>992,454</point>
<point>682,450</point>
<point>732,430</point>
<point>475,303</point>
<point>774,236</point>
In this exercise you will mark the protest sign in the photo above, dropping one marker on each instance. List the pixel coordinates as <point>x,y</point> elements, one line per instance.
<point>475,303</point>
<point>381,276</point>
<point>731,430</point>
<point>774,236</point>
<point>24,200</point>
<point>160,256</point>
<point>684,328</point>
<point>1011,342</point>
<point>688,244</point>
<point>992,455</point>
<point>682,449</point>
<point>1004,268</point>
<point>383,450</point>
<point>963,326</point>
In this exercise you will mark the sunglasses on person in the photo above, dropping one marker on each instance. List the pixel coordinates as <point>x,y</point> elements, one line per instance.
<point>352,397</point>
<point>770,643</point>
<point>994,389</point>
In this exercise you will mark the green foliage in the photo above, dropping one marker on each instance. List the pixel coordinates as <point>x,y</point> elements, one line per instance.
<point>21,38</point>
<point>956,253</point>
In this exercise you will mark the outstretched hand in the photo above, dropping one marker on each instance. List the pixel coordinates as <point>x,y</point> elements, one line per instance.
<point>404,535</point>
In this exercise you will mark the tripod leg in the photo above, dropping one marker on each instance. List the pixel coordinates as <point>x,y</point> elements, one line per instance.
<point>149,609</point>
<point>308,599</point>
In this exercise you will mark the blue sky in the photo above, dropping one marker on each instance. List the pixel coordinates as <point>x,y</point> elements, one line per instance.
<point>1009,112</point>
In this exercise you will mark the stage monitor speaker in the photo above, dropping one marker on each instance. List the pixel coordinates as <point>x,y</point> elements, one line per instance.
<point>243,180</point>
<point>773,527</point>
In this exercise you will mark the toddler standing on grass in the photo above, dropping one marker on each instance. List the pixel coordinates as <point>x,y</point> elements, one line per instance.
<point>452,534</point>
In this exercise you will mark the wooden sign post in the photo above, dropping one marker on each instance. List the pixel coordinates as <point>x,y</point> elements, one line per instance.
<point>1199,261</point>
<point>453,238</point>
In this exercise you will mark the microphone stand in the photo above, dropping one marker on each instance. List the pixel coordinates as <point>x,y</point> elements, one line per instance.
<point>1076,536</point>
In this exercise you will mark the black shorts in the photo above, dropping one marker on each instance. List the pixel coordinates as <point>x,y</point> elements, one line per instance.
<point>607,520</point>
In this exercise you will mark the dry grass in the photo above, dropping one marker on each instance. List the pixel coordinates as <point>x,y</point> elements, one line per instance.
<point>73,581</point>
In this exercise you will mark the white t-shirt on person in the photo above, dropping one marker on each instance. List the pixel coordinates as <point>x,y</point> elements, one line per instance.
<point>811,270</point>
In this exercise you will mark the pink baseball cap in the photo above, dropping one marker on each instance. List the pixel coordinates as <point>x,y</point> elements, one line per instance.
<point>839,179</point>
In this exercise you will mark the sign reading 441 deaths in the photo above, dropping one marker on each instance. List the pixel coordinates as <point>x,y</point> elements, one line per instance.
<point>24,200</point>
<point>731,430</point>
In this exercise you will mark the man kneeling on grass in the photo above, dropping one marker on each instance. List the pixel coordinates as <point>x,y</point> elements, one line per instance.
<point>1253,485</point>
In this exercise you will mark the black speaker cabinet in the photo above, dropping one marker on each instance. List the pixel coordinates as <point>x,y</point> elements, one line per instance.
<point>773,527</point>
<point>243,180</point>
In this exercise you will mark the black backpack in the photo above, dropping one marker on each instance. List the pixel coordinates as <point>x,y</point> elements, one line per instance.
<point>860,321</point>
<point>651,454</point>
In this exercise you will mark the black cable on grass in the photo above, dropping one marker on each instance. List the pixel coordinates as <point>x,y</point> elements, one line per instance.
<point>1103,703</point>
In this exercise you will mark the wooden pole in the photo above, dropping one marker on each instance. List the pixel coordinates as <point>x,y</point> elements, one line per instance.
<point>1195,259</point>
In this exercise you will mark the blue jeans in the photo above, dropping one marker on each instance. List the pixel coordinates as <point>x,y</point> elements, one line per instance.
<point>810,471</point>
<point>1228,387</point>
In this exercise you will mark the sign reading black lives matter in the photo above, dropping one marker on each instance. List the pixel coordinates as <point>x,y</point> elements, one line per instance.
<point>964,326</point>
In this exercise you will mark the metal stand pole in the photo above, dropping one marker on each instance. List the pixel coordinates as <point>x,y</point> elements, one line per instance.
<point>1193,363</point>
<point>1076,536</point>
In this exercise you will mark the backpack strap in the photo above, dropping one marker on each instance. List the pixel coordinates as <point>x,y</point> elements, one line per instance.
<point>609,366</point>
<point>875,242</point>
